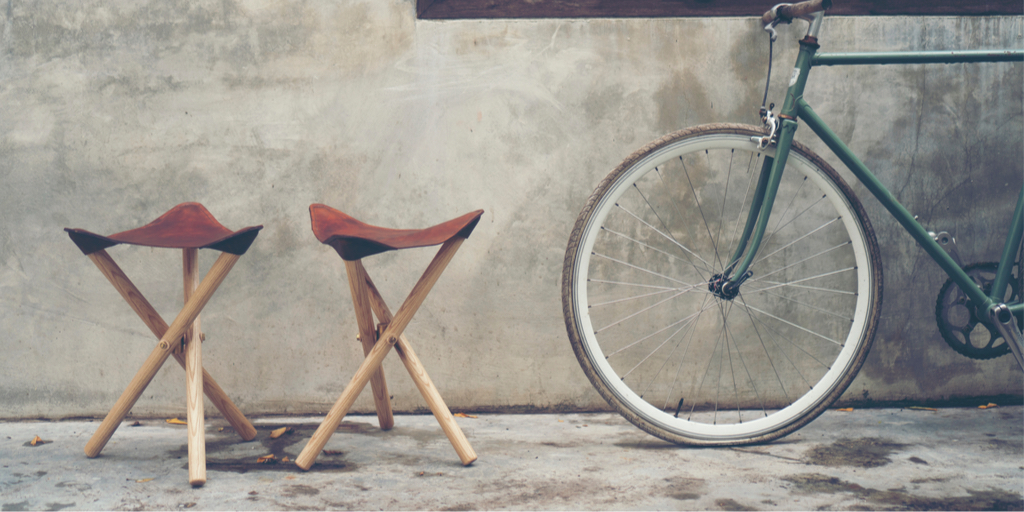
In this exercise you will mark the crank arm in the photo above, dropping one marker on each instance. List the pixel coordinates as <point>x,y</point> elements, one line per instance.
<point>1006,324</point>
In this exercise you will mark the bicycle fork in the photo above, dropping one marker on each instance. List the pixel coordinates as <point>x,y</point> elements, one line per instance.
<point>727,284</point>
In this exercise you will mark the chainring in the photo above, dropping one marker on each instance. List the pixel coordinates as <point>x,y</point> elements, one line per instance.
<point>958,317</point>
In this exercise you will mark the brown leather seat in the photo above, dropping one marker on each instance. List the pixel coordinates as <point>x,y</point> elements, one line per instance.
<point>355,240</point>
<point>186,226</point>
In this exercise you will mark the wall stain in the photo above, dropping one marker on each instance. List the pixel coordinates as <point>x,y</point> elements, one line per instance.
<point>866,452</point>
<point>993,499</point>
<point>681,101</point>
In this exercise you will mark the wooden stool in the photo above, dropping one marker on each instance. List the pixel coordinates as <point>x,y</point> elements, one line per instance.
<point>190,227</point>
<point>355,240</point>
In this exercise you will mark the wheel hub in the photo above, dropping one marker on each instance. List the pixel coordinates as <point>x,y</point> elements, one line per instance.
<point>723,288</point>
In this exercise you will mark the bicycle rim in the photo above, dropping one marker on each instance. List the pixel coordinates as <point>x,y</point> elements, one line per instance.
<point>683,363</point>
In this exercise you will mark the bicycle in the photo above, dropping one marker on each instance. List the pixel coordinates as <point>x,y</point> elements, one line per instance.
<point>713,299</point>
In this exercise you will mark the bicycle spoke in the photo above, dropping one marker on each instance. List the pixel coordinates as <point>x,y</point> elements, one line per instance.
<point>648,308</point>
<point>791,324</point>
<point>705,375</point>
<point>806,305</point>
<point>732,371</point>
<point>760,340</point>
<point>628,299</point>
<point>809,258</point>
<point>656,249</point>
<point>776,335</point>
<point>781,216</point>
<point>700,209</point>
<point>811,278</point>
<point>656,214</point>
<point>656,349</point>
<point>663,329</point>
<point>682,358</point>
<point>790,244</point>
<point>667,237</point>
<point>651,272</point>
<point>621,283</point>
<point>746,194</point>
<point>725,196</point>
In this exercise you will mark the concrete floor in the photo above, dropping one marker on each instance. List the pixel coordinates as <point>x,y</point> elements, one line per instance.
<point>898,459</point>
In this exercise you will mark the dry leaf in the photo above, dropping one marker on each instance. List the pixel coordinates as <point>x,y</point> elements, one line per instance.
<point>916,408</point>
<point>989,406</point>
<point>463,415</point>
<point>845,409</point>
<point>220,429</point>
<point>285,459</point>
<point>333,452</point>
<point>136,424</point>
<point>267,459</point>
<point>253,493</point>
<point>176,421</point>
<point>36,440</point>
<point>280,432</point>
<point>144,480</point>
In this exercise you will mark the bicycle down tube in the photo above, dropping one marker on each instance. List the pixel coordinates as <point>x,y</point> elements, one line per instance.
<point>796,107</point>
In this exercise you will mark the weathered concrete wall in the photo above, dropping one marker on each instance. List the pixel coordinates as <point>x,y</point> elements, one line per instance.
<point>113,112</point>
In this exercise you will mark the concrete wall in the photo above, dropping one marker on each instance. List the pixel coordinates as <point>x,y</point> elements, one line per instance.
<point>113,112</point>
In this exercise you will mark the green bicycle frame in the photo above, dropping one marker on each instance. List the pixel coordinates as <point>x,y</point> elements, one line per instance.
<point>795,107</point>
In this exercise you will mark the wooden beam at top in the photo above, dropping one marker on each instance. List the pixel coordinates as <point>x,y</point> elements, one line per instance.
<point>484,9</point>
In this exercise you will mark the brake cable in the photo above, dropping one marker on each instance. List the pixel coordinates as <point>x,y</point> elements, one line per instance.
<point>770,120</point>
<point>771,45</point>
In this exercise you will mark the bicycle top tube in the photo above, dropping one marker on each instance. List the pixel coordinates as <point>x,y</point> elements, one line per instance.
<point>931,57</point>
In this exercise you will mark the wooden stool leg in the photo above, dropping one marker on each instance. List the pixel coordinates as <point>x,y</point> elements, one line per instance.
<point>369,365</point>
<point>156,324</point>
<point>368,337</point>
<point>194,379</point>
<point>419,376</point>
<point>156,358</point>
<point>340,409</point>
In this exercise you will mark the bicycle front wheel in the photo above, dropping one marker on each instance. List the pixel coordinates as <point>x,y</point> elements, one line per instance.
<point>695,367</point>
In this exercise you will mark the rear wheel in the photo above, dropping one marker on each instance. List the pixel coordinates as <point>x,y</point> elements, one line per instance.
<point>693,366</point>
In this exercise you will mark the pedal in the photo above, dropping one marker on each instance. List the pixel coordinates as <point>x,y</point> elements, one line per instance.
<point>1006,324</point>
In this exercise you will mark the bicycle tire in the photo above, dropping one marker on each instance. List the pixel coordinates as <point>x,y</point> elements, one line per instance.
<point>807,317</point>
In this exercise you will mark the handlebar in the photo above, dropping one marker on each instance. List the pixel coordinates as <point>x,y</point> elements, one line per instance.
<point>789,12</point>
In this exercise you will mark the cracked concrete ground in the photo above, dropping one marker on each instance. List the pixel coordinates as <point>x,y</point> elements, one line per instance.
<point>867,459</point>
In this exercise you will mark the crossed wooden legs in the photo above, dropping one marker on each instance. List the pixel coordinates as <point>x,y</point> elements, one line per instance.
<point>367,301</point>
<point>185,325</point>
